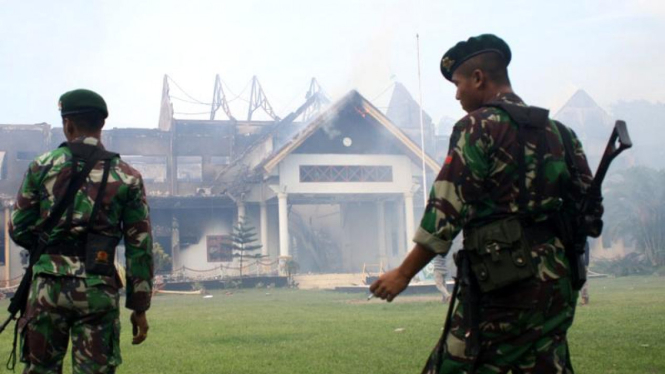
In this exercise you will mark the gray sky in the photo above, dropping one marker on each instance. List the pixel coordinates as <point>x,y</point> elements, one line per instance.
<point>615,50</point>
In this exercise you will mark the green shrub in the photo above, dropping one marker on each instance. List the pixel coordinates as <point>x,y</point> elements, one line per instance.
<point>630,264</point>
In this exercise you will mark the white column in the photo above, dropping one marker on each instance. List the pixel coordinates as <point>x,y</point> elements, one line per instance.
<point>264,228</point>
<point>344,240</point>
<point>408,217</point>
<point>175,242</point>
<point>283,225</point>
<point>7,242</point>
<point>381,232</point>
<point>241,211</point>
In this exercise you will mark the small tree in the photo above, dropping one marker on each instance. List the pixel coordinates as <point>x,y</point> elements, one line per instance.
<point>243,241</point>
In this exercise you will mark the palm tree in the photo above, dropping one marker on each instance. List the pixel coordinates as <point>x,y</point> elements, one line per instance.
<point>242,239</point>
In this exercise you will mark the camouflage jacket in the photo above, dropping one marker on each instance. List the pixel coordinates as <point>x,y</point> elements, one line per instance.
<point>479,179</point>
<point>124,212</point>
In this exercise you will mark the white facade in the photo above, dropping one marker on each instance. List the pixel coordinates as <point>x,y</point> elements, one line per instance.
<point>324,223</point>
<point>289,176</point>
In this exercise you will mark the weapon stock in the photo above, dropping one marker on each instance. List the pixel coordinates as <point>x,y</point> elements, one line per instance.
<point>620,134</point>
<point>588,221</point>
<point>20,299</point>
<point>4,324</point>
<point>619,142</point>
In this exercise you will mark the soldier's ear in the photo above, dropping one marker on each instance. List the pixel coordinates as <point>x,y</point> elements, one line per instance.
<point>478,78</point>
<point>67,127</point>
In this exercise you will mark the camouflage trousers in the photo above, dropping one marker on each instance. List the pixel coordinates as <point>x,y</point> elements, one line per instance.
<point>58,306</point>
<point>522,330</point>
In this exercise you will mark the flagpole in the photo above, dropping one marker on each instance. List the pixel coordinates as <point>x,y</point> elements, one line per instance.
<point>422,126</point>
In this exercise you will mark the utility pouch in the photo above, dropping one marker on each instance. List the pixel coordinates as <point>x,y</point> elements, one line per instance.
<point>500,254</point>
<point>100,254</point>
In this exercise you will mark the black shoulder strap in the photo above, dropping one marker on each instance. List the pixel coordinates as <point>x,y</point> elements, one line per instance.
<point>91,154</point>
<point>67,199</point>
<point>526,118</point>
<point>100,194</point>
<point>70,209</point>
<point>568,148</point>
<point>82,150</point>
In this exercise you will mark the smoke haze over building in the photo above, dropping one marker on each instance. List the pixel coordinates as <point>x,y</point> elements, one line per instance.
<point>122,49</point>
<point>344,158</point>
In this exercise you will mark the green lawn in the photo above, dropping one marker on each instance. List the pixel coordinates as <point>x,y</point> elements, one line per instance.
<point>291,331</point>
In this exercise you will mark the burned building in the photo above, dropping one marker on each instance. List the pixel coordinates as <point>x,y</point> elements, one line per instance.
<point>333,187</point>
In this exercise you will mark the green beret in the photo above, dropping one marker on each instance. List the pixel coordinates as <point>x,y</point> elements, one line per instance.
<point>465,50</point>
<point>82,101</point>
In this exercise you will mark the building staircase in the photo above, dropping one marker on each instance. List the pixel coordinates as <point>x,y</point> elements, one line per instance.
<point>328,281</point>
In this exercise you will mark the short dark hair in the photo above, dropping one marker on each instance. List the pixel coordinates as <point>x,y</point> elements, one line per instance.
<point>492,64</point>
<point>92,121</point>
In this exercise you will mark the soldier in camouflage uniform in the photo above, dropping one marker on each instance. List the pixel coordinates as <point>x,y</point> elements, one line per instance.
<point>64,298</point>
<point>522,327</point>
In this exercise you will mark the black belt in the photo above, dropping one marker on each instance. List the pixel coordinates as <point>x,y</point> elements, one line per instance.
<point>536,232</point>
<point>540,232</point>
<point>66,249</point>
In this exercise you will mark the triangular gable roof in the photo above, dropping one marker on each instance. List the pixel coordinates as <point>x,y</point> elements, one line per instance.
<point>403,110</point>
<point>356,98</point>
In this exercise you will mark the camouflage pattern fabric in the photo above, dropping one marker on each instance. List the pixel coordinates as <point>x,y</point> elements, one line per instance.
<point>524,326</point>
<point>58,305</point>
<point>124,213</point>
<point>522,329</point>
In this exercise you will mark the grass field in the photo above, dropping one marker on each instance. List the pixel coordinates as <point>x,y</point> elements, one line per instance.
<point>292,332</point>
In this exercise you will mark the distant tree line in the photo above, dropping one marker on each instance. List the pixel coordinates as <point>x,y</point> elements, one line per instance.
<point>635,212</point>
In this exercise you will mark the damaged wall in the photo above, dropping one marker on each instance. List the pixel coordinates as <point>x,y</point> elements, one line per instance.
<point>195,225</point>
<point>20,145</point>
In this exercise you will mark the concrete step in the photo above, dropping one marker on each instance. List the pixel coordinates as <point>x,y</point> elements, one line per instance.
<point>328,281</point>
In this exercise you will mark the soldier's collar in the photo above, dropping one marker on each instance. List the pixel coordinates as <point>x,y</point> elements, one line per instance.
<point>89,140</point>
<point>509,97</point>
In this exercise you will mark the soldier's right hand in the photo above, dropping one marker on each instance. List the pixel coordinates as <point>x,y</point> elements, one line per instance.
<point>389,285</point>
<point>139,327</point>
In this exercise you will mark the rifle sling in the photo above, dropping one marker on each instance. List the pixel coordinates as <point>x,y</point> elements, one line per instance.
<point>528,119</point>
<point>568,149</point>
<point>100,194</point>
<point>64,202</point>
<point>90,155</point>
<point>77,249</point>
